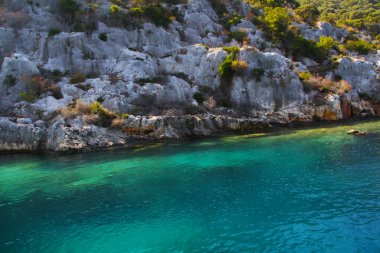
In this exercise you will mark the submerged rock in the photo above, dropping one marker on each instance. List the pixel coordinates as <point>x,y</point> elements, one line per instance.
<point>356,132</point>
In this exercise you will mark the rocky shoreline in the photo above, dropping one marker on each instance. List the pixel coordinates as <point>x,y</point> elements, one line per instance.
<point>24,135</point>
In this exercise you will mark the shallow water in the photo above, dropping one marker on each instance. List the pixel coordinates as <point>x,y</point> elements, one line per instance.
<point>314,190</point>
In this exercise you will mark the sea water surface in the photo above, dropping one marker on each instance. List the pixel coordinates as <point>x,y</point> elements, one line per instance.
<point>310,190</point>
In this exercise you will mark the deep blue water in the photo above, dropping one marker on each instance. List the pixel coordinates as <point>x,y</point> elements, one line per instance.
<point>315,190</point>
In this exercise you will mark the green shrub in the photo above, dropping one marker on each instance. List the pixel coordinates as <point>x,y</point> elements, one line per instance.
<point>359,46</point>
<point>103,37</point>
<point>277,21</point>
<point>105,116</point>
<point>57,73</point>
<point>225,68</point>
<point>53,32</point>
<point>199,97</point>
<point>234,20</point>
<point>231,49</point>
<point>192,109</point>
<point>239,66</point>
<point>84,87</point>
<point>258,73</point>
<point>305,75</point>
<point>37,85</point>
<point>115,9</point>
<point>325,44</point>
<point>69,6</point>
<point>100,99</point>
<point>28,96</point>
<point>10,80</point>
<point>309,13</point>
<point>77,78</point>
<point>298,46</point>
<point>158,15</point>
<point>238,36</point>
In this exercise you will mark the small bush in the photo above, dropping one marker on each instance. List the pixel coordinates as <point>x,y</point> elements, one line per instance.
<point>321,84</point>
<point>37,85</point>
<point>57,73</point>
<point>325,44</point>
<point>114,78</point>
<point>359,46</point>
<point>231,49</point>
<point>94,113</point>
<point>225,68</point>
<point>276,21</point>
<point>84,87</point>
<point>234,20</point>
<point>28,96</point>
<point>104,115</point>
<point>103,37</point>
<point>53,32</point>
<point>305,75</point>
<point>10,80</point>
<point>158,15</point>
<point>258,73</point>
<point>192,109</point>
<point>239,66</point>
<point>143,81</point>
<point>199,97</point>
<point>309,13</point>
<point>238,36</point>
<point>69,6</point>
<point>298,46</point>
<point>77,78</point>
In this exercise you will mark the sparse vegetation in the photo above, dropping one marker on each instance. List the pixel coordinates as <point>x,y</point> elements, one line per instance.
<point>359,46</point>
<point>103,37</point>
<point>10,80</point>
<point>276,21</point>
<point>308,13</point>
<point>305,75</point>
<point>199,97</point>
<point>93,113</point>
<point>37,85</point>
<point>239,36</point>
<point>225,68</point>
<point>239,66</point>
<point>53,31</point>
<point>77,78</point>
<point>232,49</point>
<point>258,73</point>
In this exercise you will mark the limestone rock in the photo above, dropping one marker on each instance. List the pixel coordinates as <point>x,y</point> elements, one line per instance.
<point>361,75</point>
<point>20,136</point>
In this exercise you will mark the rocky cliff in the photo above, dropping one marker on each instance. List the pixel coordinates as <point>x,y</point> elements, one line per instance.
<point>64,89</point>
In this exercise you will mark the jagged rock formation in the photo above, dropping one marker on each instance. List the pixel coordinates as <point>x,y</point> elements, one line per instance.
<point>156,71</point>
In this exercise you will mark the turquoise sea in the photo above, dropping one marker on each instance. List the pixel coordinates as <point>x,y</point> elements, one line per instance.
<point>306,190</point>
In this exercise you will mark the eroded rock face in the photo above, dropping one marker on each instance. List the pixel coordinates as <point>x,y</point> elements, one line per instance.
<point>17,67</point>
<point>66,136</point>
<point>21,135</point>
<point>196,63</point>
<point>276,88</point>
<point>361,75</point>
<point>163,127</point>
